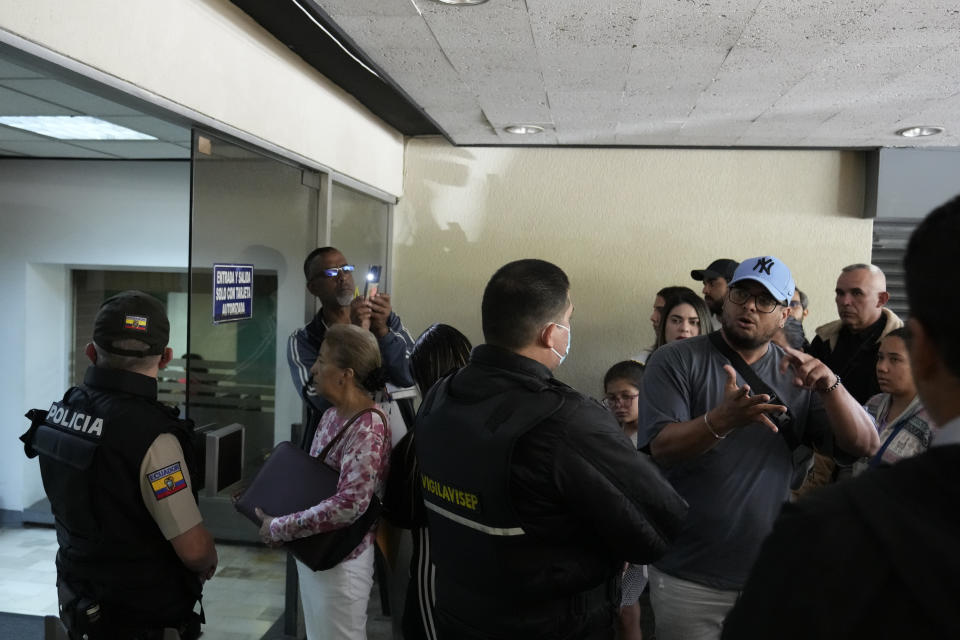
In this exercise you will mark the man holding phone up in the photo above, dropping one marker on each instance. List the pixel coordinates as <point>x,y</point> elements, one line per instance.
<point>330,278</point>
<point>726,446</point>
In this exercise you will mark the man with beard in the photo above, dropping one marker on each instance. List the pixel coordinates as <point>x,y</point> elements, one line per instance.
<point>715,278</point>
<point>330,278</point>
<point>727,450</point>
<point>877,557</point>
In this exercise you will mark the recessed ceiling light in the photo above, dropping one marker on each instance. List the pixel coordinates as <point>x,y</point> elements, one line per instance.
<point>73,128</point>
<point>919,132</point>
<point>459,2</point>
<point>523,129</point>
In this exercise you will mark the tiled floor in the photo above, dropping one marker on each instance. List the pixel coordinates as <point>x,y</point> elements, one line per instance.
<point>28,576</point>
<point>242,602</point>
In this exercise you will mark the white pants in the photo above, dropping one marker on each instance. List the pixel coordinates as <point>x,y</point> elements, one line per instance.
<point>335,600</point>
<point>687,610</point>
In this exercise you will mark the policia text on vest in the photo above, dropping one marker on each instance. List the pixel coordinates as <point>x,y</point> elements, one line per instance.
<point>76,420</point>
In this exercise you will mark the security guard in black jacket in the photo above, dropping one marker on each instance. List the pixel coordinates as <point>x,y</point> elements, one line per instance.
<point>116,466</point>
<point>535,497</point>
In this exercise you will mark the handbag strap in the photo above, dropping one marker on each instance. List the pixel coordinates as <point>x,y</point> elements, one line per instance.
<point>756,382</point>
<point>323,454</point>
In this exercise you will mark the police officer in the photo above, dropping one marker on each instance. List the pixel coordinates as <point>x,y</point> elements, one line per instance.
<point>116,466</point>
<point>535,498</point>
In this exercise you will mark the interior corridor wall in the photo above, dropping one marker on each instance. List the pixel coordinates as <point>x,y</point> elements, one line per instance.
<point>56,215</point>
<point>209,56</point>
<point>622,223</point>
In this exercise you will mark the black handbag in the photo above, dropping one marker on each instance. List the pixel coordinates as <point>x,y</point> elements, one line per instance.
<point>292,480</point>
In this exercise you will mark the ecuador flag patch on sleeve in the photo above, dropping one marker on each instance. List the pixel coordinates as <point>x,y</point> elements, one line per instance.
<point>167,481</point>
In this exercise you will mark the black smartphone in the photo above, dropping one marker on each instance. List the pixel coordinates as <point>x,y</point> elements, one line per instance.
<point>372,281</point>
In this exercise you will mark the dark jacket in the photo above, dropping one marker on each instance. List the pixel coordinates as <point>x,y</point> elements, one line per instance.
<point>874,557</point>
<point>544,513</point>
<point>856,363</point>
<point>304,345</point>
<point>90,446</point>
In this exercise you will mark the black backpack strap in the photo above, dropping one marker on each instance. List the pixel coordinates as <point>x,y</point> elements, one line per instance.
<point>757,385</point>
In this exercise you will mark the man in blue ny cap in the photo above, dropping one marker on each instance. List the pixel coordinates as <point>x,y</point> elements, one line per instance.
<point>722,414</point>
<point>877,556</point>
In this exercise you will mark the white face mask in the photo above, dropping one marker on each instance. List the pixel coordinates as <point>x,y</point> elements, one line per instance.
<point>563,356</point>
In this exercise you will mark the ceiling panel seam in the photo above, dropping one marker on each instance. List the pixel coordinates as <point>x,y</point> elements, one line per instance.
<point>743,29</point>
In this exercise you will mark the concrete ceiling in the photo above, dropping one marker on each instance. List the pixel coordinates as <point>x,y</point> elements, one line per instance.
<point>717,73</point>
<point>28,91</point>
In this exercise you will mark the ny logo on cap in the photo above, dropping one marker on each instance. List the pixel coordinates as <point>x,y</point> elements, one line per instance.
<point>764,265</point>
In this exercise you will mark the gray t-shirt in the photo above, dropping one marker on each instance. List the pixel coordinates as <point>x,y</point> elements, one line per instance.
<point>736,489</point>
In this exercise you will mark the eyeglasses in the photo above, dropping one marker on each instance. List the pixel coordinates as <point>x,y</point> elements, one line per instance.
<point>611,401</point>
<point>795,304</point>
<point>335,271</point>
<point>765,303</point>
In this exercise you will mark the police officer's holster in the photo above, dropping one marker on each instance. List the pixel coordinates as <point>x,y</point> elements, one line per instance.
<point>83,609</point>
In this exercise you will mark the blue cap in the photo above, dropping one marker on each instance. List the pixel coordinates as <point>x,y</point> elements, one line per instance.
<point>771,273</point>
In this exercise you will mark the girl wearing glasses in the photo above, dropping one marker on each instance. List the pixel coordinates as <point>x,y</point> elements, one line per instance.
<point>621,393</point>
<point>621,389</point>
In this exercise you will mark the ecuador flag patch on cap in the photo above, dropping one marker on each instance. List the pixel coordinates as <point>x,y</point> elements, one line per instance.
<point>167,481</point>
<point>137,323</point>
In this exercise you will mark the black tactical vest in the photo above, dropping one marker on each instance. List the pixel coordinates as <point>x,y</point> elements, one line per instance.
<point>485,561</point>
<point>91,444</point>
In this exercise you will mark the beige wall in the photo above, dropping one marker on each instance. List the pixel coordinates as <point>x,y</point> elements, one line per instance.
<point>212,58</point>
<point>622,223</point>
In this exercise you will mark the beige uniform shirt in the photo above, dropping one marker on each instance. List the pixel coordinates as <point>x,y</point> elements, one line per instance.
<point>165,487</point>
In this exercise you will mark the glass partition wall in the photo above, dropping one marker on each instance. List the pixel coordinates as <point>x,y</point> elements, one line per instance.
<point>256,217</point>
<point>360,228</point>
<point>260,213</point>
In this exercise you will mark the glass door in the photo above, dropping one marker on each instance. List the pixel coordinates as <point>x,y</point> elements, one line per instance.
<point>360,228</point>
<point>253,220</point>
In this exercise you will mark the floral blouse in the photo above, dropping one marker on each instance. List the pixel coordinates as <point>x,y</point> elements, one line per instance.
<point>363,457</point>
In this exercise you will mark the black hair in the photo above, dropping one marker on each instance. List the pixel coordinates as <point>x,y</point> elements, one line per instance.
<point>316,253</point>
<point>666,292</point>
<point>439,350</point>
<point>519,299</point>
<point>931,257</point>
<point>804,300</point>
<point>629,370</point>
<point>898,333</point>
<point>374,380</point>
<point>684,297</point>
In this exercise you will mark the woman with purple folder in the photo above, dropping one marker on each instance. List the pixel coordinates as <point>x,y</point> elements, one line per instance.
<point>347,372</point>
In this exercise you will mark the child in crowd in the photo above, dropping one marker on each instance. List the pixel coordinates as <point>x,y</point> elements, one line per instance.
<point>621,393</point>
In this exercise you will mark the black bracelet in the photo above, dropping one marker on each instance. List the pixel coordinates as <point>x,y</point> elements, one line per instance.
<point>832,387</point>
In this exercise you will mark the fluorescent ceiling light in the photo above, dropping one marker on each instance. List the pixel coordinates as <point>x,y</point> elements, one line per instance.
<point>523,129</point>
<point>73,128</point>
<point>920,132</point>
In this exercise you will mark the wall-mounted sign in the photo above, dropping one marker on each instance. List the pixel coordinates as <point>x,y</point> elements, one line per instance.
<point>232,292</point>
